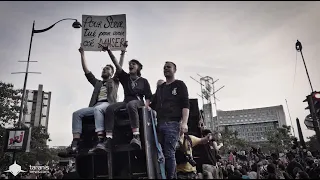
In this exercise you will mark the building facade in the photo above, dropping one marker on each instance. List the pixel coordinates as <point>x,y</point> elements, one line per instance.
<point>37,108</point>
<point>252,124</point>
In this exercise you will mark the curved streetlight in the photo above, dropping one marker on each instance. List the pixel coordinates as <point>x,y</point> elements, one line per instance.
<point>76,25</point>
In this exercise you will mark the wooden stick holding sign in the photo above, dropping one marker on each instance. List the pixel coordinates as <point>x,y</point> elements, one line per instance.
<point>100,31</point>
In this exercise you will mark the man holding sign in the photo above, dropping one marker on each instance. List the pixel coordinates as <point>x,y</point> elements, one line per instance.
<point>104,94</point>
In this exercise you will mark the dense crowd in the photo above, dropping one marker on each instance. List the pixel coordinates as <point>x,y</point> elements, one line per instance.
<point>290,165</point>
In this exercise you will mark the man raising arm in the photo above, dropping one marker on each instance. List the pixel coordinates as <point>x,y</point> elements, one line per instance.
<point>104,94</point>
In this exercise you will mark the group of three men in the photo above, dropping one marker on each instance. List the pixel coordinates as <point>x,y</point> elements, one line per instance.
<point>171,102</point>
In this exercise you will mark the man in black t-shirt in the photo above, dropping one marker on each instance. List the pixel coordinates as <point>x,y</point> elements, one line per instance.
<point>135,89</point>
<point>171,103</point>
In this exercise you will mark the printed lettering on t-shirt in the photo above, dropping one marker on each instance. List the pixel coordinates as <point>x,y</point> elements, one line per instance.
<point>174,91</point>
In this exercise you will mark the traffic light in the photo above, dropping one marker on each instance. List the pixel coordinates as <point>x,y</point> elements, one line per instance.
<point>316,102</point>
<point>314,106</point>
<point>313,103</point>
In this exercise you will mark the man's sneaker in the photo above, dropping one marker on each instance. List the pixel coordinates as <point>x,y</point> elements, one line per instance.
<point>73,148</point>
<point>135,142</point>
<point>105,145</point>
<point>96,147</point>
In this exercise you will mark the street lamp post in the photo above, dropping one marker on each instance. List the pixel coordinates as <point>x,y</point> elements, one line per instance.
<point>299,49</point>
<point>76,24</point>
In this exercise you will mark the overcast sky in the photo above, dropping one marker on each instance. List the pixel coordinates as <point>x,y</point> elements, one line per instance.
<point>249,46</point>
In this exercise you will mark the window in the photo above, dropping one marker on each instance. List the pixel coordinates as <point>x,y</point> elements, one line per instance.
<point>246,120</point>
<point>238,120</point>
<point>45,95</point>
<point>241,120</point>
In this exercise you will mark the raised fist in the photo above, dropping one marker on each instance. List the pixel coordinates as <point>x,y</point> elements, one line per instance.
<point>81,50</point>
<point>105,48</point>
<point>125,44</point>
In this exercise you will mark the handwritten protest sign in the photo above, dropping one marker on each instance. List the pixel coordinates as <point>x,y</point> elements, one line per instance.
<point>103,30</point>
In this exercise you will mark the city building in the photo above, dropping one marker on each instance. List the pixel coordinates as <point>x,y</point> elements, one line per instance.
<point>251,124</point>
<point>37,108</point>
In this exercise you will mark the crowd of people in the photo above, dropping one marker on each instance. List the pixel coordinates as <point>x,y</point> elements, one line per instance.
<point>250,163</point>
<point>259,166</point>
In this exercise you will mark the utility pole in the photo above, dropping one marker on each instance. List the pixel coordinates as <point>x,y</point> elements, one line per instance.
<point>294,134</point>
<point>299,49</point>
<point>302,142</point>
<point>24,97</point>
<point>207,91</point>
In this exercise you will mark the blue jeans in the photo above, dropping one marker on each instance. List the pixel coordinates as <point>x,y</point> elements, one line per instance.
<point>168,134</point>
<point>98,111</point>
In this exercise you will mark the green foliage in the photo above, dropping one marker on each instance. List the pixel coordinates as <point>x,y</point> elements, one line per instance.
<point>280,139</point>
<point>313,144</point>
<point>10,99</point>
<point>231,141</point>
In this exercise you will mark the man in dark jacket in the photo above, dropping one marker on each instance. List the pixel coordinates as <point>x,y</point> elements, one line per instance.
<point>171,103</point>
<point>104,94</point>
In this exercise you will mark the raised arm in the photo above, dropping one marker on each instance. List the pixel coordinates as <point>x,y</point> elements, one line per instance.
<point>83,61</point>
<point>123,52</point>
<point>91,78</point>
<point>113,58</point>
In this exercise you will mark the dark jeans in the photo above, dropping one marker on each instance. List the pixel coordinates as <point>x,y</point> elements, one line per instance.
<point>168,134</point>
<point>132,108</point>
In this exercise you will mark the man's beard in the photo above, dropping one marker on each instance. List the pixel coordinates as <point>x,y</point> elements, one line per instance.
<point>105,76</point>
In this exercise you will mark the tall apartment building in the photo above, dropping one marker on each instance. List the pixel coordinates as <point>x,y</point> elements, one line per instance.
<point>252,124</point>
<point>38,106</point>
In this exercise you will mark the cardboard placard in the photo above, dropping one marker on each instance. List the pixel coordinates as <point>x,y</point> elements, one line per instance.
<point>98,31</point>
